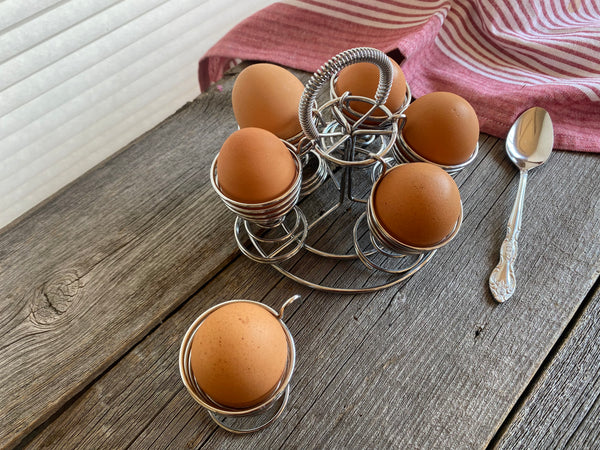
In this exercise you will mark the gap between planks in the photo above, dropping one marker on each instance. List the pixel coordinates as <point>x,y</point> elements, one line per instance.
<point>531,388</point>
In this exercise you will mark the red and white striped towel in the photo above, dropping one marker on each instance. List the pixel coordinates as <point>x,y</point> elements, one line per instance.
<point>503,56</point>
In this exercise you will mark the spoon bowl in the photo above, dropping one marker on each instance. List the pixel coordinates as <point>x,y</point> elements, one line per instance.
<point>530,139</point>
<point>528,145</point>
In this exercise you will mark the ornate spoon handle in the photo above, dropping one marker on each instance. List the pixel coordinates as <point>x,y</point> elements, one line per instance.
<point>502,279</point>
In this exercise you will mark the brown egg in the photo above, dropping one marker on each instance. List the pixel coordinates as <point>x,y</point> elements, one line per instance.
<point>442,127</point>
<point>417,203</point>
<point>239,354</point>
<point>267,96</point>
<point>254,166</point>
<point>363,78</point>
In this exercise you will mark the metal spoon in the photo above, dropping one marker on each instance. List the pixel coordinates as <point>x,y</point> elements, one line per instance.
<point>528,145</point>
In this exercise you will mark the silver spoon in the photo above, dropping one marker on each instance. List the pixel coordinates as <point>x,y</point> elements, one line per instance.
<point>528,145</point>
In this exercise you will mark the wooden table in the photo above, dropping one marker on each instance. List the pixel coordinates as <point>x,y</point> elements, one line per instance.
<point>99,284</point>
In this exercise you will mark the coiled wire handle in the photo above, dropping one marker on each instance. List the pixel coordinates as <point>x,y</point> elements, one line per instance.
<point>330,69</point>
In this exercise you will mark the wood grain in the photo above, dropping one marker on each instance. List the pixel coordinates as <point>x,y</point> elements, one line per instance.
<point>89,273</point>
<point>139,247</point>
<point>562,409</point>
<point>434,363</point>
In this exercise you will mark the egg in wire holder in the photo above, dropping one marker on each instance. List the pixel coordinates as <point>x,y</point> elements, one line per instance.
<point>386,244</point>
<point>240,420</point>
<point>345,145</point>
<point>271,231</point>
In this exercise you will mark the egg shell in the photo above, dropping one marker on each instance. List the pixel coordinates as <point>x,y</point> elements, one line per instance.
<point>363,78</point>
<point>267,96</point>
<point>239,354</point>
<point>442,127</point>
<point>255,166</point>
<point>417,203</point>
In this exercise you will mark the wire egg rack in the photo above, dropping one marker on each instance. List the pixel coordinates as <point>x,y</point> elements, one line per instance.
<point>340,155</point>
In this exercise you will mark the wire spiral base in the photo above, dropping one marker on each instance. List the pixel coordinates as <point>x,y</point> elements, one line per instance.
<point>275,243</point>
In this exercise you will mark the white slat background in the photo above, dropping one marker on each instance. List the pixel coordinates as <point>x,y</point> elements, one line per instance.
<point>80,79</point>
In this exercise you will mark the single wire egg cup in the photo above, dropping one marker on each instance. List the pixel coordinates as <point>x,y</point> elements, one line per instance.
<point>240,420</point>
<point>389,246</point>
<point>270,231</point>
<point>404,153</point>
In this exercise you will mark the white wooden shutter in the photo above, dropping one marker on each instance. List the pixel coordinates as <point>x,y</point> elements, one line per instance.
<point>79,79</point>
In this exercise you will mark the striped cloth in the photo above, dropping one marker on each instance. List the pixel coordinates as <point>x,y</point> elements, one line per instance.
<point>503,56</point>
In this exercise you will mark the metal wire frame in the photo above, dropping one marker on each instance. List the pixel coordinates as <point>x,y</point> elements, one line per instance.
<point>285,245</point>
<point>385,239</point>
<point>346,142</point>
<point>268,410</point>
<point>373,119</point>
<point>267,213</point>
<point>334,66</point>
<point>404,153</point>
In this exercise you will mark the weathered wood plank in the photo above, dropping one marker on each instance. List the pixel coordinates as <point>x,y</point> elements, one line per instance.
<point>87,274</point>
<point>587,434</point>
<point>562,409</point>
<point>435,363</point>
<point>71,434</point>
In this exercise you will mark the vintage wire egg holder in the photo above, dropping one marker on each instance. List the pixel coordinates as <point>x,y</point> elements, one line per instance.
<point>266,227</point>
<point>385,243</point>
<point>240,420</point>
<point>339,146</point>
